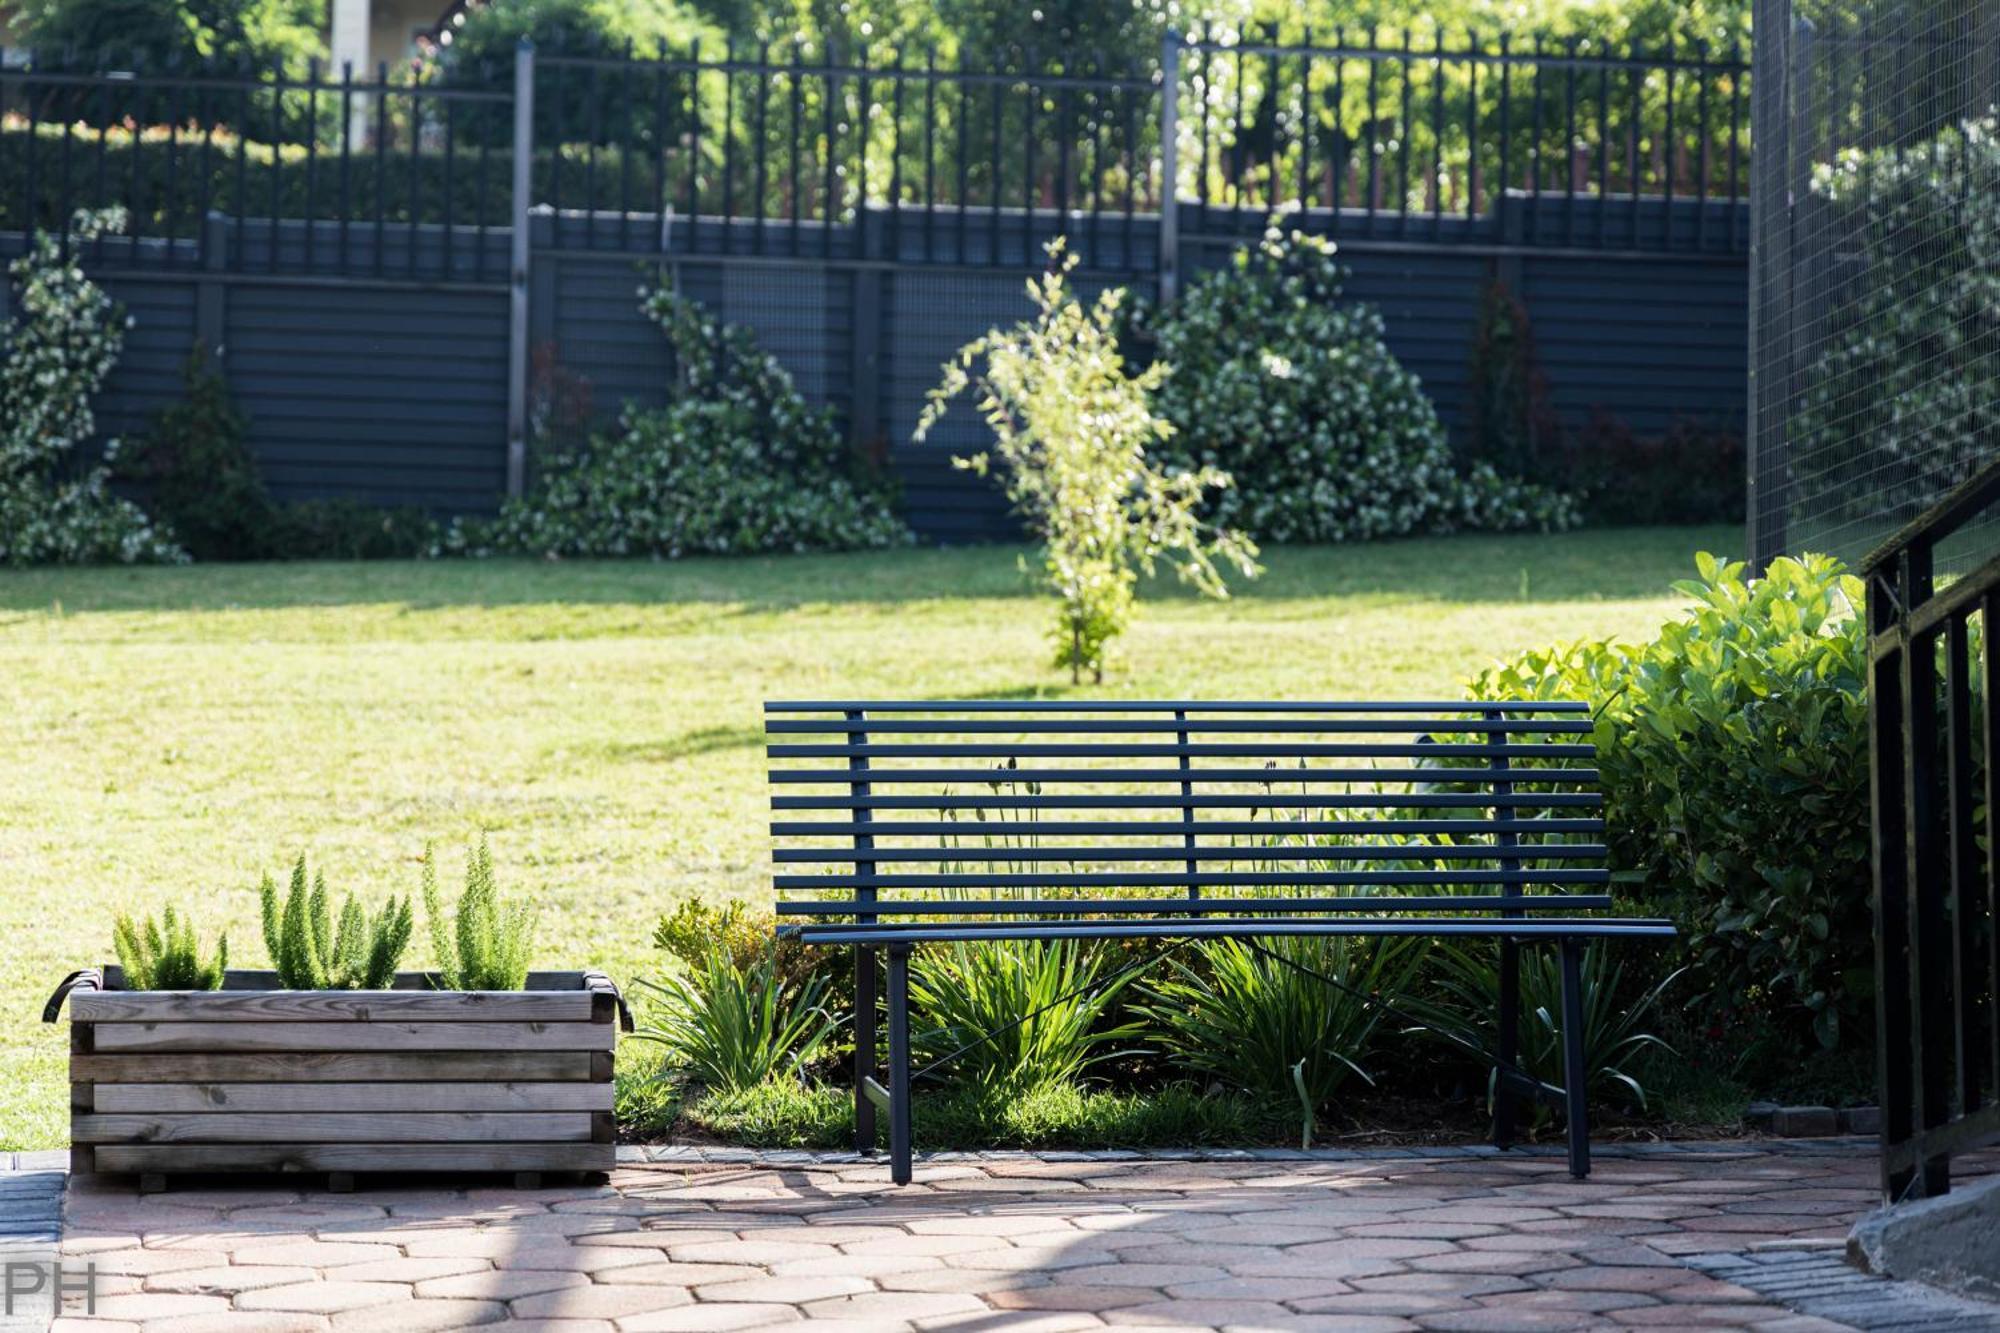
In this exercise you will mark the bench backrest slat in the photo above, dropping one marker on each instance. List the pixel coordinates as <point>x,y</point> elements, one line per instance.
<point>1015,812</point>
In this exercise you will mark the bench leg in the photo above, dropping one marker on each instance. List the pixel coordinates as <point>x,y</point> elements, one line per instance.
<point>1509,1052</point>
<point>899,1063</point>
<point>864,1047</point>
<point>1576,1073</point>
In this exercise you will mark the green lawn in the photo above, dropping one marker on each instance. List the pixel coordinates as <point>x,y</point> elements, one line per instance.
<point>173,734</point>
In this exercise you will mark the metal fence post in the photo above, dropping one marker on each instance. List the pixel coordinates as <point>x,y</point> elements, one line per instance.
<point>517,270</point>
<point>1781,96</point>
<point>1170,130</point>
<point>210,298</point>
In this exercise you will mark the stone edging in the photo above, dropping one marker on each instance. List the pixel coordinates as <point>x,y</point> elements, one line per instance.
<point>702,1154</point>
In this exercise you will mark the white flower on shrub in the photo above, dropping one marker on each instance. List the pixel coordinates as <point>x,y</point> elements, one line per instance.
<point>54,356</point>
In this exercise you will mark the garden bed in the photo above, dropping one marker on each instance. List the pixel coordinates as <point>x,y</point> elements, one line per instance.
<point>252,1078</point>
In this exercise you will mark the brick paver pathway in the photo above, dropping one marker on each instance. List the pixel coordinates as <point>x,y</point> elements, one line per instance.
<point>1373,1242</point>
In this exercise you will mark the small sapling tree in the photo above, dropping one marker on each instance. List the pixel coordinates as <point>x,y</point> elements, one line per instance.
<point>1072,430</point>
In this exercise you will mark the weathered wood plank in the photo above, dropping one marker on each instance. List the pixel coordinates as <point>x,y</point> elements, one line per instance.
<point>359,1006</point>
<point>264,978</point>
<point>344,1067</point>
<point>226,1098</point>
<point>335,1127</point>
<point>444,1036</point>
<point>132,1159</point>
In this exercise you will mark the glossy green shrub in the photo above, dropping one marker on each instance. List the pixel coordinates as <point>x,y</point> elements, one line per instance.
<point>1734,749</point>
<point>737,463</point>
<point>1287,385</point>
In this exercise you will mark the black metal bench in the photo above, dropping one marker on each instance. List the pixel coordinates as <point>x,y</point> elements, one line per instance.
<point>1190,820</point>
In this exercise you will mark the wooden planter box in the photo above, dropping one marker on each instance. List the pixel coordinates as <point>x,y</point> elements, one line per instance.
<point>252,1078</point>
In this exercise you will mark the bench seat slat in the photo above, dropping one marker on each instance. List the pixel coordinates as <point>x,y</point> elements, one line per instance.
<point>1183,880</point>
<point>1178,776</point>
<point>1134,828</point>
<point>874,706</point>
<point>1175,750</point>
<point>1529,902</point>
<point>1334,800</point>
<point>1555,851</point>
<point>1036,726</point>
<point>1542,927</point>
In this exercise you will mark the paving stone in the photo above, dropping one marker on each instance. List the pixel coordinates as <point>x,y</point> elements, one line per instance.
<point>554,1253</point>
<point>139,1262</point>
<point>500,1286</point>
<point>150,1305</point>
<point>782,1290</point>
<point>668,1273</point>
<point>1325,1323</point>
<point>1693,1316</point>
<point>323,1297</point>
<point>1058,1296</point>
<point>1806,1121</point>
<point>1493,1261</point>
<point>699,1318</point>
<point>1281,1289</point>
<point>1213,1314</point>
<point>307,1213</point>
<point>314,1254</point>
<point>417,1316</point>
<point>238,1321</point>
<point>1442,1284</point>
<point>601,1300</point>
<point>1612,1278</point>
<point>416,1269</point>
<point>900,1306</point>
<point>983,1320</point>
<point>228,1279</point>
<point>1381,1303</point>
<point>1504,1321</point>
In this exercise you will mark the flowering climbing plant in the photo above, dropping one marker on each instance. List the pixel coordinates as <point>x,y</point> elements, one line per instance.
<point>54,356</point>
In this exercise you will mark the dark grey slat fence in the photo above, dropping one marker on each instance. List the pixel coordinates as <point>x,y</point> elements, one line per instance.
<point>389,267</point>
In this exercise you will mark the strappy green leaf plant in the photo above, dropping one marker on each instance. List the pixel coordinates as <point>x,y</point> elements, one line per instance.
<point>164,954</point>
<point>1017,1015</point>
<point>1463,1013</point>
<point>486,944</point>
<point>1261,1021</point>
<point>313,951</point>
<point>732,1025</point>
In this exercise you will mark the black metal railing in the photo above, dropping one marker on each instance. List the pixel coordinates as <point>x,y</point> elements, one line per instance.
<point>829,149</point>
<point>1417,132</point>
<point>359,175</point>
<point>1934,746</point>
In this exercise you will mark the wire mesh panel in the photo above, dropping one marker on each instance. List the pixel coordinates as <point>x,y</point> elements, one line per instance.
<point>1875,329</point>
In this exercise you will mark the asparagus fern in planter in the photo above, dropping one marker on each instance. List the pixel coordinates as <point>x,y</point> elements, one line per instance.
<point>335,1062</point>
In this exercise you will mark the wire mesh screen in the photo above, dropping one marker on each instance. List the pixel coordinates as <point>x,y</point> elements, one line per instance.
<point>1875,320</point>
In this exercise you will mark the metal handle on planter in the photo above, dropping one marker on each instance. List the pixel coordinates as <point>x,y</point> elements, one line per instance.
<point>84,978</point>
<point>597,981</point>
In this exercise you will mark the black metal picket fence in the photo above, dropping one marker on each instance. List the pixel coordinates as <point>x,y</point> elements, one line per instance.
<point>700,151</point>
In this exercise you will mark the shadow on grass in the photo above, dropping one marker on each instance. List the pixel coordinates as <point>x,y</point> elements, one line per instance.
<point>1583,566</point>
